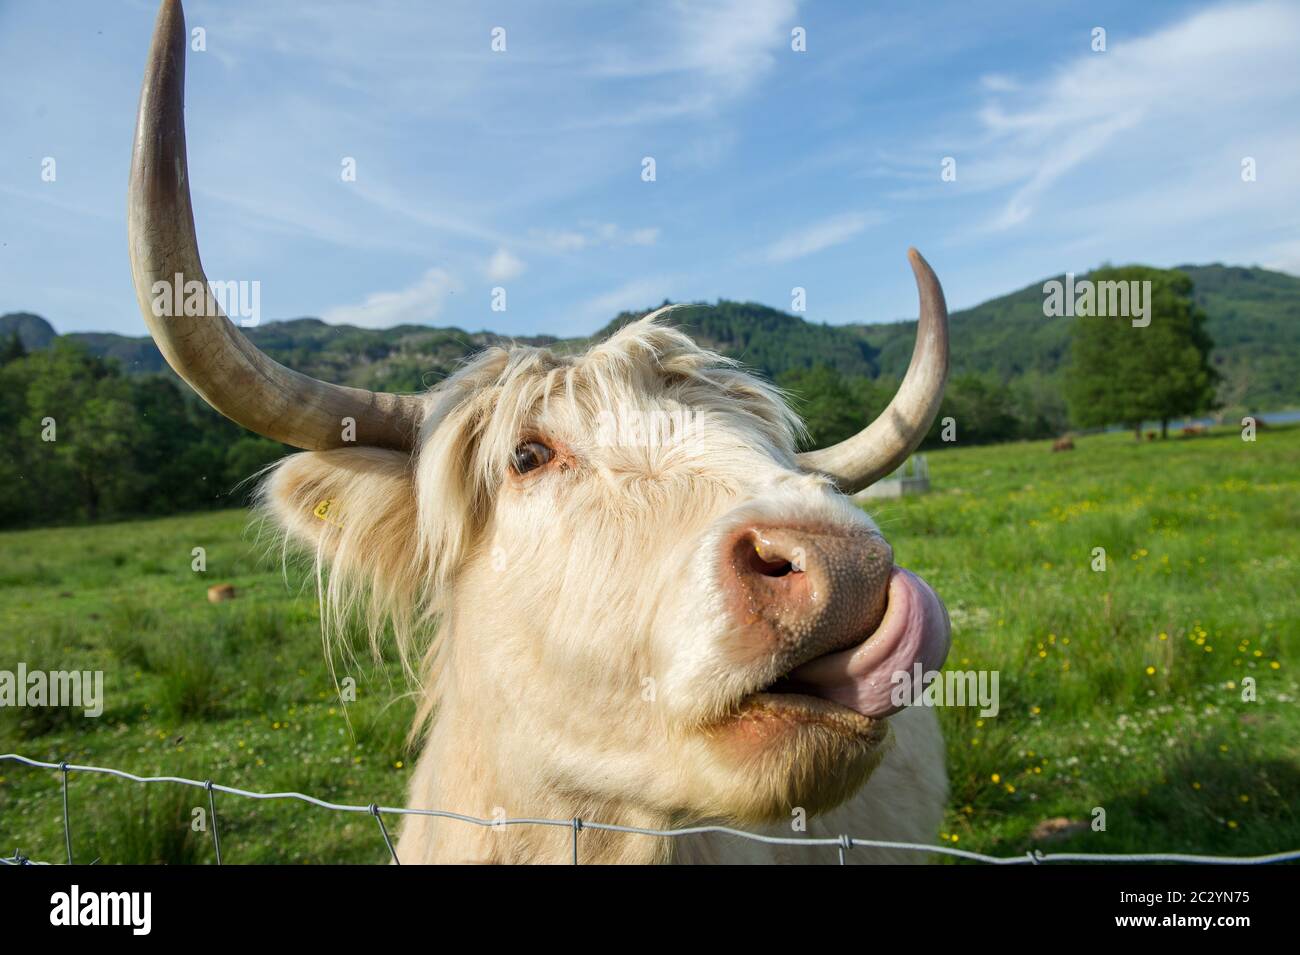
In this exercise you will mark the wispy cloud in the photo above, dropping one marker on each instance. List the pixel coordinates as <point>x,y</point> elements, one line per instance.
<point>731,41</point>
<point>504,266</point>
<point>1284,255</point>
<point>998,83</point>
<point>1136,102</point>
<point>523,167</point>
<point>593,234</point>
<point>821,235</point>
<point>690,63</point>
<point>419,303</point>
<point>633,295</point>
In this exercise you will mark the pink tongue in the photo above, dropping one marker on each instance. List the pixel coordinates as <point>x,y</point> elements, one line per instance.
<point>914,630</point>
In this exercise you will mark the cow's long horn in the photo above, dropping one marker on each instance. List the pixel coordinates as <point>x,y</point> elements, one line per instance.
<point>207,350</point>
<point>885,443</point>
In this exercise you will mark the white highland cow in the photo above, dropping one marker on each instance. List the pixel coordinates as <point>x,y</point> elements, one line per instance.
<point>645,626</point>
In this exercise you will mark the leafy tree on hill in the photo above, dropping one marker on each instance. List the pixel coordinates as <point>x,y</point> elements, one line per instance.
<point>984,410</point>
<point>1121,373</point>
<point>85,406</point>
<point>122,444</point>
<point>824,400</point>
<point>12,349</point>
<point>835,407</point>
<point>1041,405</point>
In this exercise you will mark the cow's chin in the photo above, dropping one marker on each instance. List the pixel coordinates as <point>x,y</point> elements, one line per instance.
<point>782,752</point>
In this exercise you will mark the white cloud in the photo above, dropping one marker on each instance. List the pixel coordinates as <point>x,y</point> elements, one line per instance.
<point>593,235</point>
<point>1283,256</point>
<point>997,83</point>
<point>712,52</point>
<point>504,266</point>
<point>732,40</point>
<point>646,236</point>
<point>1137,107</point>
<point>417,304</point>
<point>819,236</point>
<point>735,40</point>
<point>563,241</point>
<point>639,293</point>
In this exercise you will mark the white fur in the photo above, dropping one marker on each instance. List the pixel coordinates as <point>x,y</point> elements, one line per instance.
<point>576,656</point>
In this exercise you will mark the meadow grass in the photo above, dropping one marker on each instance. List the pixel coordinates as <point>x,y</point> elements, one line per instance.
<point>1120,690</point>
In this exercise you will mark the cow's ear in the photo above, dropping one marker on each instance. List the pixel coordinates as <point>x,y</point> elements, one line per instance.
<point>355,507</point>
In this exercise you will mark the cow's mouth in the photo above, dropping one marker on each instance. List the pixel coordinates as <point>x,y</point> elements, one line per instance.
<point>855,688</point>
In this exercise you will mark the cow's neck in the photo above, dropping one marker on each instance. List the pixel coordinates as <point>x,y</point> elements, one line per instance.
<point>460,770</point>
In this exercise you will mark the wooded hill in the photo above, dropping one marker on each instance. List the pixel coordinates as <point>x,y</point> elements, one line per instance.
<point>1254,319</point>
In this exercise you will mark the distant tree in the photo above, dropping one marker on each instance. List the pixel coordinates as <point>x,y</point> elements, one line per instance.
<point>12,349</point>
<point>1125,374</point>
<point>983,409</point>
<point>30,479</point>
<point>835,407</point>
<point>1041,406</point>
<point>93,417</point>
<point>245,458</point>
<point>828,406</point>
<point>122,444</point>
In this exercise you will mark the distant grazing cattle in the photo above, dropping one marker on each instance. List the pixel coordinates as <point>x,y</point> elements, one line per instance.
<point>1192,430</point>
<point>220,593</point>
<point>1065,443</point>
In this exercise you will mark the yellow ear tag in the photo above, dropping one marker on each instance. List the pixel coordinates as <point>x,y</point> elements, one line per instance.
<point>322,510</point>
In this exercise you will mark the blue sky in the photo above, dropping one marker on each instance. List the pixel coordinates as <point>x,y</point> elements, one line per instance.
<point>774,168</point>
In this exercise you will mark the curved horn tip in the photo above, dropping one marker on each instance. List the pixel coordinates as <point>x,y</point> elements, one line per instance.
<point>207,351</point>
<point>918,262</point>
<point>885,443</point>
<point>171,17</point>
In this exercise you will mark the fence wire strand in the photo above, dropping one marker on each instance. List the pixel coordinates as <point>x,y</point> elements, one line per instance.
<point>212,815</point>
<point>843,843</point>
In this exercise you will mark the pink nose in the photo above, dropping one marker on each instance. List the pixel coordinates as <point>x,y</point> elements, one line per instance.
<point>808,590</point>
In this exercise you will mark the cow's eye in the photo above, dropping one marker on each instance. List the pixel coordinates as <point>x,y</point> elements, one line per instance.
<point>531,455</point>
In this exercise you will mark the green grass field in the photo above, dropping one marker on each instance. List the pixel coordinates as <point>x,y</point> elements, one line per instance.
<point>1121,690</point>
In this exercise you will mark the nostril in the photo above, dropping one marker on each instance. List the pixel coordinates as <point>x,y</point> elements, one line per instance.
<point>776,567</point>
<point>806,588</point>
<point>764,555</point>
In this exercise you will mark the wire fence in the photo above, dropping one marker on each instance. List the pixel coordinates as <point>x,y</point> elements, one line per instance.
<point>844,843</point>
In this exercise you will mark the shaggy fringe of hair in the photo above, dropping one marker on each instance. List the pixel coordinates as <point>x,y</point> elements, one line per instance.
<point>400,525</point>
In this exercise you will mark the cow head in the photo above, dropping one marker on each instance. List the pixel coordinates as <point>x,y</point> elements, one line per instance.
<point>627,585</point>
